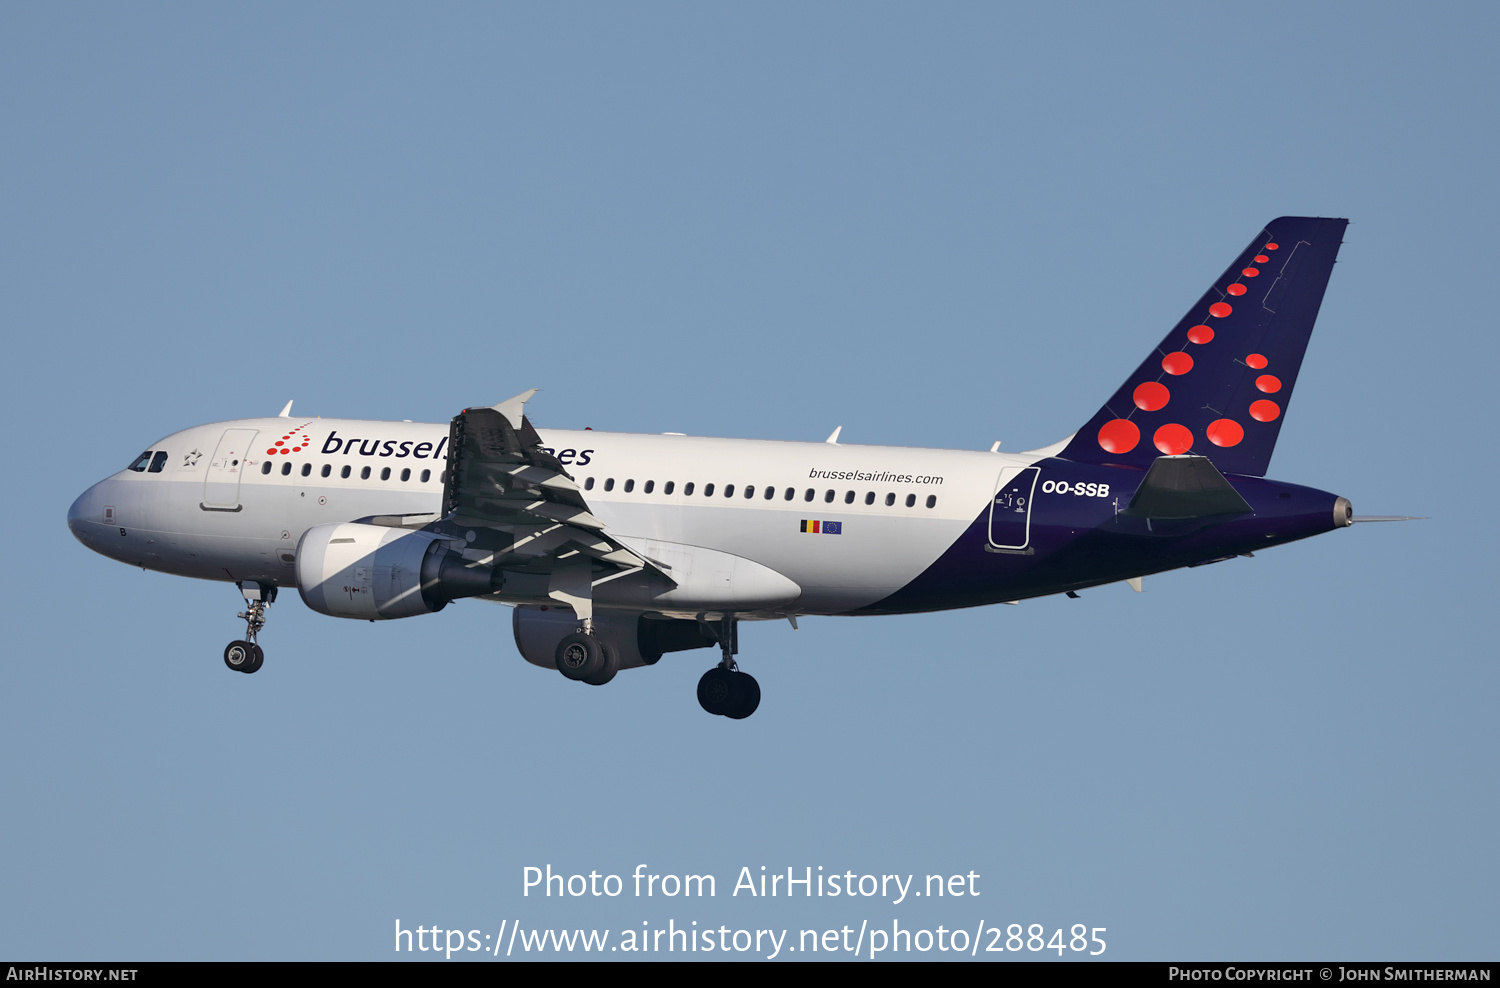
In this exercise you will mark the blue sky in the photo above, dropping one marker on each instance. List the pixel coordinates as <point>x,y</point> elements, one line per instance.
<point>932,226</point>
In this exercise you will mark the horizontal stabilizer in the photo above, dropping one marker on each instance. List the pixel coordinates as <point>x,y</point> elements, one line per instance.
<point>1185,487</point>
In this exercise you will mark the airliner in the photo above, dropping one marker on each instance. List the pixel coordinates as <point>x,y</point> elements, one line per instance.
<point>614,549</point>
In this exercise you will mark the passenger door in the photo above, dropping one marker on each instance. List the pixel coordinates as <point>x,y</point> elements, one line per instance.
<point>221,488</point>
<point>1010,511</point>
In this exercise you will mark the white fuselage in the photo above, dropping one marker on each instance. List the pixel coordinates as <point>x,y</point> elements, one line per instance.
<point>223,506</point>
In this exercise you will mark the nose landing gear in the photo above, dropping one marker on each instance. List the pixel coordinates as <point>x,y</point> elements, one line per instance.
<point>246,656</point>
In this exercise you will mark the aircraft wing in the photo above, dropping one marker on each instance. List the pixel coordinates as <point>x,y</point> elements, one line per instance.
<point>524,511</point>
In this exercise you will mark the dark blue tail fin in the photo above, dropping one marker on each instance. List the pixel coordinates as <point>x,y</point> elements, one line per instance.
<point>1219,384</point>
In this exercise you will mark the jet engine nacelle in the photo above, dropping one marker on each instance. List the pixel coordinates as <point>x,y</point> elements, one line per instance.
<point>374,573</point>
<point>638,640</point>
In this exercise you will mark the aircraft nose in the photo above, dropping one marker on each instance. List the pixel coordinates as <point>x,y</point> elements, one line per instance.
<point>81,512</point>
<point>75,516</point>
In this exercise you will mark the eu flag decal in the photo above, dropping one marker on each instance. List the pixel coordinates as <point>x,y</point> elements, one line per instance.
<point>833,528</point>
<point>822,527</point>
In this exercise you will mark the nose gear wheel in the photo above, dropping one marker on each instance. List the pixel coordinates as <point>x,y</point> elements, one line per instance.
<point>246,656</point>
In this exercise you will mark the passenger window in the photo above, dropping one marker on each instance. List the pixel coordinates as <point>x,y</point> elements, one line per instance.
<point>650,486</point>
<point>344,473</point>
<point>609,484</point>
<point>749,491</point>
<point>286,469</point>
<point>405,474</point>
<point>629,486</point>
<point>791,492</point>
<point>588,484</point>
<point>385,473</point>
<point>809,495</point>
<point>265,467</point>
<point>708,490</point>
<point>828,498</point>
<point>306,469</point>
<point>668,489</point>
<point>687,489</point>
<point>158,461</point>
<point>932,500</point>
<point>364,474</point>
<point>729,490</point>
<point>770,493</point>
<point>911,499</point>
<point>870,498</point>
<point>890,499</point>
<point>139,466</point>
<point>325,471</point>
<point>848,497</point>
<point>426,476</point>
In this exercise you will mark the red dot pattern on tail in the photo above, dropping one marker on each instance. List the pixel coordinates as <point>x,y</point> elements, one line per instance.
<point>1225,432</point>
<point>1177,363</point>
<point>1123,435</point>
<point>1119,436</point>
<point>1151,396</point>
<point>1264,410</point>
<point>1173,439</point>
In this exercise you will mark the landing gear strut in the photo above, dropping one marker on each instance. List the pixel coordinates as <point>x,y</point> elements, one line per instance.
<point>246,656</point>
<point>724,690</point>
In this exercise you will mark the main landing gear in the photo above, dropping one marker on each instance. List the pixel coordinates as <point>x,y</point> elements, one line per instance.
<point>724,690</point>
<point>246,656</point>
<point>586,659</point>
<point>582,656</point>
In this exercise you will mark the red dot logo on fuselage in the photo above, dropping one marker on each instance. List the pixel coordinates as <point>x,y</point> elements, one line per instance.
<point>295,441</point>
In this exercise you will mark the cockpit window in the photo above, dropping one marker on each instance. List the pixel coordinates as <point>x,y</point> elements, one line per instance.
<point>139,466</point>
<point>158,461</point>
